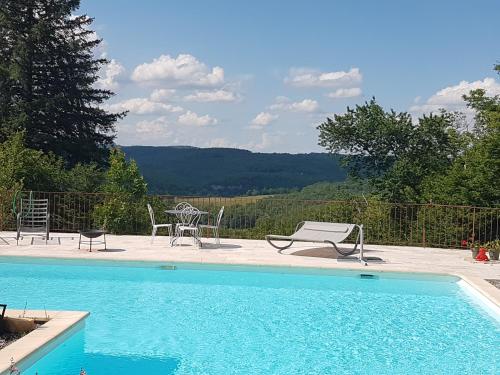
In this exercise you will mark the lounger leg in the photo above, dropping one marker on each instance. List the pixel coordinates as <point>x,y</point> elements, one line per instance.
<point>361,245</point>
<point>105,246</point>
<point>79,241</point>
<point>280,248</point>
<point>153,234</point>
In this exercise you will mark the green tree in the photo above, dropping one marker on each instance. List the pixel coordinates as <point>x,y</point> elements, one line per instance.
<point>48,73</point>
<point>124,209</point>
<point>124,177</point>
<point>28,169</point>
<point>25,168</point>
<point>473,177</point>
<point>347,190</point>
<point>84,178</point>
<point>391,150</point>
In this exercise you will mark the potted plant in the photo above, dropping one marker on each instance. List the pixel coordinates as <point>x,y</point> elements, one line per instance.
<point>493,249</point>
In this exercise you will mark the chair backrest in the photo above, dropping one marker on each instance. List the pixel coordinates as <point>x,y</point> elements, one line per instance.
<point>34,214</point>
<point>180,207</point>
<point>190,216</point>
<point>322,231</point>
<point>151,214</point>
<point>219,217</point>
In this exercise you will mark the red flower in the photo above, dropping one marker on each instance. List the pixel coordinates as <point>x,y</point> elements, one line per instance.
<point>464,243</point>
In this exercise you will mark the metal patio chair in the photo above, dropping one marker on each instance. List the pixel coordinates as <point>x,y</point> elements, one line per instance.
<point>157,226</point>
<point>179,207</point>
<point>190,216</point>
<point>33,219</point>
<point>214,228</point>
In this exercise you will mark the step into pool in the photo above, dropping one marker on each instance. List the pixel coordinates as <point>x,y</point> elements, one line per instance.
<point>157,318</point>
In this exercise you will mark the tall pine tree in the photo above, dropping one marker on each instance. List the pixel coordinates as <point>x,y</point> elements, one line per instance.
<point>48,74</point>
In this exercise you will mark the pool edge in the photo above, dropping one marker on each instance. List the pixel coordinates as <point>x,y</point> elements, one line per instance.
<point>29,346</point>
<point>484,289</point>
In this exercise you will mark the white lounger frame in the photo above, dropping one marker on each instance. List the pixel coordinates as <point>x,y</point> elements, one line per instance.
<point>322,232</point>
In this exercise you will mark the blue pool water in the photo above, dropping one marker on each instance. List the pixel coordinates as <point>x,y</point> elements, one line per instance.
<point>146,319</point>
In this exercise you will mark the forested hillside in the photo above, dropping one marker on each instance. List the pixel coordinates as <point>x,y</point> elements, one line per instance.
<point>229,172</point>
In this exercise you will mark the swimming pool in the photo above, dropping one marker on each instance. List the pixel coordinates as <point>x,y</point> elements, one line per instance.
<point>149,319</point>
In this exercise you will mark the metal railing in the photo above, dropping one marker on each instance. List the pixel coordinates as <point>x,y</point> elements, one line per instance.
<point>428,225</point>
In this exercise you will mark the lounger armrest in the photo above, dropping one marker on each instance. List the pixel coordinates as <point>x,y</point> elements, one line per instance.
<point>278,237</point>
<point>299,225</point>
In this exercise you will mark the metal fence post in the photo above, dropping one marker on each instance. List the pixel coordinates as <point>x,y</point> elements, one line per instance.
<point>423,227</point>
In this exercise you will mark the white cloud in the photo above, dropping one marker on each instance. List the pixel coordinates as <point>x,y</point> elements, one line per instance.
<point>191,118</point>
<point>450,98</point>
<point>110,74</point>
<point>345,93</point>
<point>314,78</point>
<point>154,127</point>
<point>211,96</point>
<point>183,70</point>
<point>143,106</point>
<point>220,143</point>
<point>159,95</point>
<point>265,143</point>
<point>147,132</point>
<point>262,119</point>
<point>284,104</point>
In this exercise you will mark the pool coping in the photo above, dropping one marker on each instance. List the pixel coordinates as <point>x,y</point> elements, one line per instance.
<point>60,322</point>
<point>483,287</point>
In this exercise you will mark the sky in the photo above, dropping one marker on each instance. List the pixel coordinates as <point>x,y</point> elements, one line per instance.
<point>261,75</point>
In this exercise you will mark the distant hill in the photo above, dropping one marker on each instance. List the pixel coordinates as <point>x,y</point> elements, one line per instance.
<point>230,172</point>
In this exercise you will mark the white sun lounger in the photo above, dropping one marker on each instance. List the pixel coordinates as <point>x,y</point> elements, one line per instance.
<point>321,232</point>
